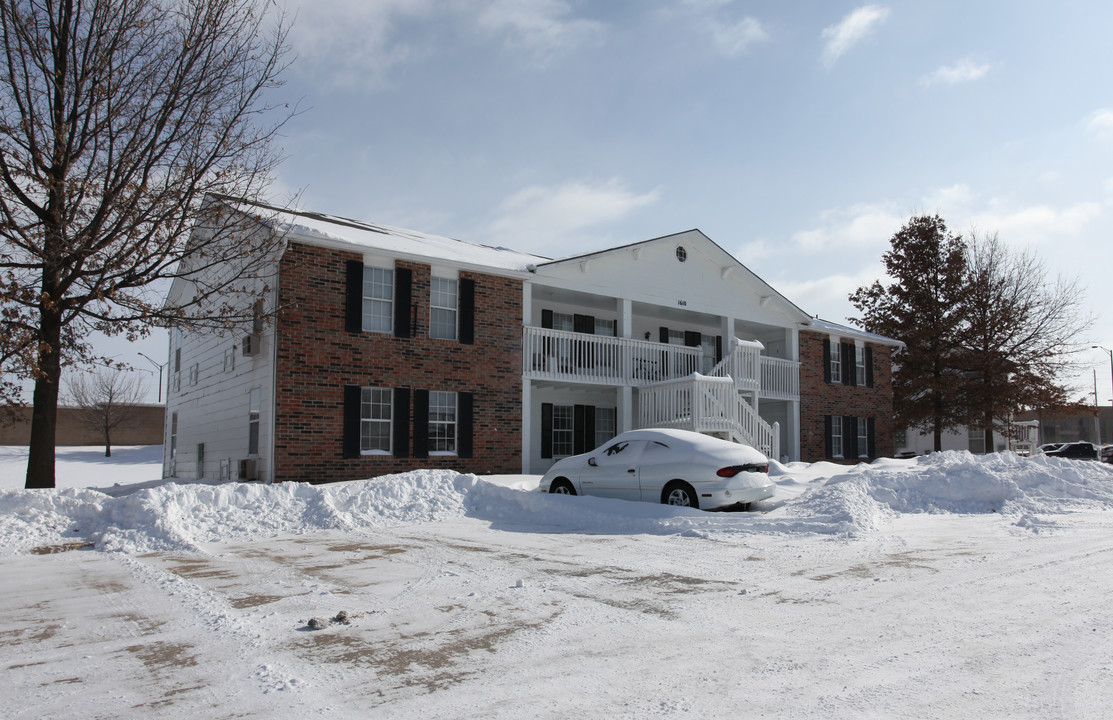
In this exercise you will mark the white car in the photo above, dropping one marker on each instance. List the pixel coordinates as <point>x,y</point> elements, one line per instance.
<point>676,467</point>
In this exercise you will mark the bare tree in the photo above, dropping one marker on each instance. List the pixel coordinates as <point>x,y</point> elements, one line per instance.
<point>106,399</point>
<point>1019,336</point>
<point>117,119</point>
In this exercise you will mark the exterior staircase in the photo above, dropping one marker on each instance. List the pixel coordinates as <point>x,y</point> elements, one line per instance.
<point>723,403</point>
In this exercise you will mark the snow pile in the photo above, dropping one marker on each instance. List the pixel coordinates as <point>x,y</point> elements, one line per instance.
<point>821,498</point>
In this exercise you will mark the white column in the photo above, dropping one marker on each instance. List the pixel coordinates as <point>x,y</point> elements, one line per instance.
<point>625,408</point>
<point>626,315</point>
<point>527,417</point>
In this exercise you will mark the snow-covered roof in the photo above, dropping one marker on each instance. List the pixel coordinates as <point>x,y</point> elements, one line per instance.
<point>344,233</point>
<point>845,331</point>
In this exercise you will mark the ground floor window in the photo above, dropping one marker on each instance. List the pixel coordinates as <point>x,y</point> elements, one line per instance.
<point>574,429</point>
<point>976,439</point>
<point>376,416</point>
<point>562,430</point>
<point>606,424</point>
<point>254,407</point>
<point>442,423</point>
<point>849,437</point>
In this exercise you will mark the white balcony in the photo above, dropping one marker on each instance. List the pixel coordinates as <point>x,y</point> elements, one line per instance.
<point>565,356</point>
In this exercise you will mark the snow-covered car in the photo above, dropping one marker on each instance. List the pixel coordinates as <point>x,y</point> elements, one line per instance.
<point>675,467</point>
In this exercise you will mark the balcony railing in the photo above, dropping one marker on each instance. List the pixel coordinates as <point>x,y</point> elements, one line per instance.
<point>598,359</point>
<point>579,357</point>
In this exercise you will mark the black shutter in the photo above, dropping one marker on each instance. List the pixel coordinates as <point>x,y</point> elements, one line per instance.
<point>353,398</point>
<point>850,437</point>
<point>546,430</point>
<point>578,429</point>
<point>465,426</point>
<point>353,296</point>
<point>871,434</point>
<point>826,435</point>
<point>849,365</point>
<point>547,319</point>
<point>692,338</point>
<point>583,324</point>
<point>403,288</point>
<point>718,349</point>
<point>421,423</point>
<point>467,311</point>
<point>869,370</point>
<point>401,428</point>
<point>827,365</point>
<point>664,335</point>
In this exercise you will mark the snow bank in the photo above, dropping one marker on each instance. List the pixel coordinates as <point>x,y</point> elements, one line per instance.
<point>823,498</point>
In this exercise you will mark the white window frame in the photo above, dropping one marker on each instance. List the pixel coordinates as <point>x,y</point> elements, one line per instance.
<point>176,360</point>
<point>378,299</point>
<point>863,437</point>
<point>230,358</point>
<point>605,327</point>
<point>173,436</point>
<point>676,337</point>
<point>860,364</point>
<point>444,308</point>
<point>564,321</point>
<point>443,422</point>
<point>382,400</point>
<point>836,361</point>
<point>563,434</point>
<point>194,373</point>
<point>837,449</point>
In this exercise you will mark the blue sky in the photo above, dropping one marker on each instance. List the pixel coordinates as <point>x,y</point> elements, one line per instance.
<point>798,135</point>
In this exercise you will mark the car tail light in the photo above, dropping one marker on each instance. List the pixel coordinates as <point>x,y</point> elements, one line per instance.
<point>735,469</point>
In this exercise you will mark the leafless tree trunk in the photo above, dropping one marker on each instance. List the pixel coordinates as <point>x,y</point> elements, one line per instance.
<point>106,399</point>
<point>117,119</point>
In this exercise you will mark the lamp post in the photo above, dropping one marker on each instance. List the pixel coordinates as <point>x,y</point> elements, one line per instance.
<point>1099,347</point>
<point>160,367</point>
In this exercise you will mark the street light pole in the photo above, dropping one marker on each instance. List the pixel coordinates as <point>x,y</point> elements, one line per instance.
<point>160,367</point>
<point>1099,347</point>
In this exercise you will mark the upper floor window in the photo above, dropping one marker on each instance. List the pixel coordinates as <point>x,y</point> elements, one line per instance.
<point>604,326</point>
<point>836,363</point>
<point>442,308</point>
<point>860,364</point>
<point>442,423</point>
<point>378,299</point>
<point>564,321</point>
<point>376,416</point>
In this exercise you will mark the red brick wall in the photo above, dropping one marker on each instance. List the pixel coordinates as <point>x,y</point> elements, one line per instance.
<point>819,398</point>
<point>317,357</point>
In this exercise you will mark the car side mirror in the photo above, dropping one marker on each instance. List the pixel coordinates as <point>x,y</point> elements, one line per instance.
<point>591,462</point>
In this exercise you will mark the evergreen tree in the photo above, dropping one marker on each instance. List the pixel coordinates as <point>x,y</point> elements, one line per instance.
<point>923,308</point>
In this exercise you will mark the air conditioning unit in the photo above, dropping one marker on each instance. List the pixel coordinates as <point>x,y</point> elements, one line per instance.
<point>248,469</point>
<point>250,345</point>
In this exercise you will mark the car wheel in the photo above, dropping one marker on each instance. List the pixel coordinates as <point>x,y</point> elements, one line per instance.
<point>681,493</point>
<point>561,486</point>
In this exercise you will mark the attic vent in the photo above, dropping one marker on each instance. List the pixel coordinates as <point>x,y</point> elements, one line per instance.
<point>681,253</point>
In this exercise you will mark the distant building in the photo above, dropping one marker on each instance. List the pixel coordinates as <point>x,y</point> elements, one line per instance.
<point>143,427</point>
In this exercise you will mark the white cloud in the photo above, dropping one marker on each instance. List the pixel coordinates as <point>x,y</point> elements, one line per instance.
<point>1034,224</point>
<point>1101,123</point>
<point>541,27</point>
<point>965,70</point>
<point>353,42</point>
<point>552,220</point>
<point>731,36</point>
<point>850,31</point>
<point>860,225</point>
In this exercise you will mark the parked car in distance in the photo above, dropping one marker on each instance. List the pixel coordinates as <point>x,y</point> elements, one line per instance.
<point>1048,446</point>
<point>1076,450</point>
<point>675,467</point>
<point>1107,453</point>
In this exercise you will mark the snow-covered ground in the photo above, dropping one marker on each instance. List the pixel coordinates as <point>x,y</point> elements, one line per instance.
<point>944,586</point>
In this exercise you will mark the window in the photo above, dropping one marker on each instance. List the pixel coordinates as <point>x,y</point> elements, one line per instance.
<point>562,430</point>
<point>442,423</point>
<point>442,308</point>
<point>676,337</point>
<point>863,436</point>
<point>378,299</point>
<point>836,363</point>
<point>254,404</point>
<point>681,253</point>
<point>836,437</point>
<point>230,359</point>
<point>258,312</point>
<point>605,424</point>
<point>604,327</point>
<point>176,375</point>
<point>194,373</point>
<point>375,417</point>
<point>564,321</point>
<point>860,364</point>
<point>976,440</point>
<point>173,435</point>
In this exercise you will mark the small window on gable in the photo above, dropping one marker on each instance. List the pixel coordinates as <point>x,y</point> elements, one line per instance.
<point>378,299</point>
<point>443,308</point>
<point>681,253</point>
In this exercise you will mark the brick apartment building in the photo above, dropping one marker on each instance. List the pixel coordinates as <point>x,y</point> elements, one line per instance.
<point>392,350</point>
